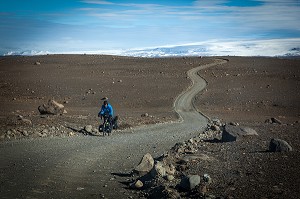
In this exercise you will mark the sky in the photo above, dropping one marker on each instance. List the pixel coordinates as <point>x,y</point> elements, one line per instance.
<point>61,26</point>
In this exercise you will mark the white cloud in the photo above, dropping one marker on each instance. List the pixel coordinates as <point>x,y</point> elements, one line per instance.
<point>269,15</point>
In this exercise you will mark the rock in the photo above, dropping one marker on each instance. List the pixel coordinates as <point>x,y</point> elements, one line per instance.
<point>24,121</point>
<point>190,182</point>
<point>268,121</point>
<point>146,164</point>
<point>145,115</point>
<point>248,131</point>
<point>203,189</point>
<point>37,63</point>
<point>273,120</point>
<point>216,122</point>
<point>207,178</point>
<point>71,133</point>
<point>170,177</point>
<point>188,147</point>
<point>24,133</point>
<point>158,170</point>
<point>278,145</point>
<point>234,123</point>
<point>52,108</point>
<point>233,133</point>
<point>88,128</point>
<point>276,121</point>
<point>215,128</point>
<point>137,184</point>
<point>178,147</point>
<point>45,131</point>
<point>41,134</point>
<point>170,169</point>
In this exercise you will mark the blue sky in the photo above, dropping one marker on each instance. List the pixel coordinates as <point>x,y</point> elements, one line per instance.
<point>90,25</point>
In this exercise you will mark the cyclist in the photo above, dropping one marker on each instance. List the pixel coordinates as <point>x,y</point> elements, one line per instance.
<point>106,109</point>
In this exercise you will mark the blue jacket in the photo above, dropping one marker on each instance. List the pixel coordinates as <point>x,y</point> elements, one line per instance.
<point>108,109</point>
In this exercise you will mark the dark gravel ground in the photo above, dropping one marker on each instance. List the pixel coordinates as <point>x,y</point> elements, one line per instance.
<point>249,91</point>
<point>246,90</point>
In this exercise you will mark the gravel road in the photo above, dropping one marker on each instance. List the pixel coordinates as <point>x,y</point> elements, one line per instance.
<point>94,166</point>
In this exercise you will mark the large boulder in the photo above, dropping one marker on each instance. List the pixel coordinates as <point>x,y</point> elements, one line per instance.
<point>233,133</point>
<point>52,108</point>
<point>146,164</point>
<point>278,145</point>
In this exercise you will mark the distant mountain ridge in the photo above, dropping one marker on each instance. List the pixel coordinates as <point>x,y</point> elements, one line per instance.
<point>273,48</point>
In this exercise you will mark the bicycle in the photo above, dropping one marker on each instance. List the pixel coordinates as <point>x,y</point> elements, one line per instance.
<point>106,126</point>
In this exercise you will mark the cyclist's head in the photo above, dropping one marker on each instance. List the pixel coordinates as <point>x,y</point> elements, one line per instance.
<point>105,103</point>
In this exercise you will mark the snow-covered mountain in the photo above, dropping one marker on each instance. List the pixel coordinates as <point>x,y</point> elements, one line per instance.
<point>274,47</point>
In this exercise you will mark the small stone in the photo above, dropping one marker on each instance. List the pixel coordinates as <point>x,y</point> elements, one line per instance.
<point>137,184</point>
<point>203,189</point>
<point>37,63</point>
<point>215,128</point>
<point>268,121</point>
<point>170,177</point>
<point>25,133</point>
<point>275,120</point>
<point>145,115</point>
<point>88,128</point>
<point>45,131</point>
<point>207,178</point>
<point>79,188</point>
<point>71,133</point>
<point>216,122</point>
<point>170,169</point>
<point>234,123</point>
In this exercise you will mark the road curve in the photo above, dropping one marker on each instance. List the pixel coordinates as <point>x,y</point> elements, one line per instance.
<point>89,166</point>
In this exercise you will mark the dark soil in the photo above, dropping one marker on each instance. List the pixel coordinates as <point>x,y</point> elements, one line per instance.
<point>246,90</point>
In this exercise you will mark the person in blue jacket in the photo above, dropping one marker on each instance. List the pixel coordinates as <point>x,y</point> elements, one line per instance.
<point>106,108</point>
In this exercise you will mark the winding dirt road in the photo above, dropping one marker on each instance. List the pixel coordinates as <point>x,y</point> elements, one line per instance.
<point>91,166</point>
